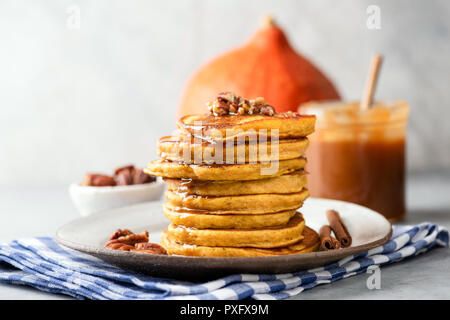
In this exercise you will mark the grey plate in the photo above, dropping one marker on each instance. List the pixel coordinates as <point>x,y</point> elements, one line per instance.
<point>89,234</point>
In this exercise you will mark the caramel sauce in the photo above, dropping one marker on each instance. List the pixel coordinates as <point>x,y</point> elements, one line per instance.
<point>187,196</point>
<point>370,173</point>
<point>293,223</point>
<point>211,121</point>
<point>359,156</point>
<point>206,165</point>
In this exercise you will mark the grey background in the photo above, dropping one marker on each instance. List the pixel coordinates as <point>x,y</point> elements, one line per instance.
<point>90,99</point>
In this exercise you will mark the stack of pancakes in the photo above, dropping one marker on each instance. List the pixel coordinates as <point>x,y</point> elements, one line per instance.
<point>235,183</point>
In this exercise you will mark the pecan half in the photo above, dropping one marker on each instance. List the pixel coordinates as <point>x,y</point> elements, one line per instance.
<point>140,177</point>
<point>127,168</point>
<point>133,238</point>
<point>124,175</point>
<point>98,180</point>
<point>120,233</point>
<point>124,178</point>
<point>267,111</point>
<point>227,97</point>
<point>119,246</point>
<point>147,247</point>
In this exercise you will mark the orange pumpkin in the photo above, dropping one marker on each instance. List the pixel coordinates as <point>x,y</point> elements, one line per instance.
<point>266,66</point>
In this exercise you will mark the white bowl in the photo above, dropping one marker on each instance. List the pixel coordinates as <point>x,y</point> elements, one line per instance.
<point>89,199</point>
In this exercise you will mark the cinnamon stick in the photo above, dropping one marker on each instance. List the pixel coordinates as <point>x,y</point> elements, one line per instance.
<point>339,228</point>
<point>325,238</point>
<point>327,241</point>
<point>336,243</point>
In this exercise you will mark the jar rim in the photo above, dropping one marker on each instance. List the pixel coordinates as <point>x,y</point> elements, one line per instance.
<point>343,113</point>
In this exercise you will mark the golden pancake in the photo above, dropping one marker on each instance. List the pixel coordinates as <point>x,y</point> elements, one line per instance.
<point>250,171</point>
<point>269,237</point>
<point>248,127</point>
<point>275,201</point>
<point>180,149</point>
<point>240,211</point>
<point>309,243</point>
<point>288,183</point>
<point>201,220</point>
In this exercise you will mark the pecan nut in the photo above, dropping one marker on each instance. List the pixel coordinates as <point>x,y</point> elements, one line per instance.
<point>126,240</point>
<point>124,175</point>
<point>133,238</point>
<point>120,233</point>
<point>227,103</point>
<point>97,180</point>
<point>119,246</point>
<point>140,177</point>
<point>147,247</point>
<point>126,168</point>
<point>267,111</point>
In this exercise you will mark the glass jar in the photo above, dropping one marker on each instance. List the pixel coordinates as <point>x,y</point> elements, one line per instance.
<point>359,155</point>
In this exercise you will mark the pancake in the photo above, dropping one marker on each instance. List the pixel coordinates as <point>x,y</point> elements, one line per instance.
<point>202,220</point>
<point>275,201</point>
<point>250,171</point>
<point>180,149</point>
<point>288,183</point>
<point>212,128</point>
<point>240,211</point>
<point>269,237</point>
<point>309,243</point>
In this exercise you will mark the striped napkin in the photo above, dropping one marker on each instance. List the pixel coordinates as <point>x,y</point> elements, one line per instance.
<point>43,264</point>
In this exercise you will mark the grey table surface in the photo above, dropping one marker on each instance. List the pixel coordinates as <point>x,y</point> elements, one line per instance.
<point>37,210</point>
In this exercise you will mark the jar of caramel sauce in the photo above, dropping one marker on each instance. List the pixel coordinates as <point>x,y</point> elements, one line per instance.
<point>359,155</point>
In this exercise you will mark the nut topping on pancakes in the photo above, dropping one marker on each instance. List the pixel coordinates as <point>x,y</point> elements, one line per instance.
<point>228,103</point>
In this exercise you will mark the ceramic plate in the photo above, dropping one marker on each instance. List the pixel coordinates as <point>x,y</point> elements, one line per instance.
<point>89,234</point>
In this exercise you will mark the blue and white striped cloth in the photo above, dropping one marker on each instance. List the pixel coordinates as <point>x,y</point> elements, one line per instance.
<point>47,266</point>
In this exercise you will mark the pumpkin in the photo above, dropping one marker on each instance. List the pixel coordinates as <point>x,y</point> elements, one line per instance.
<point>266,66</point>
